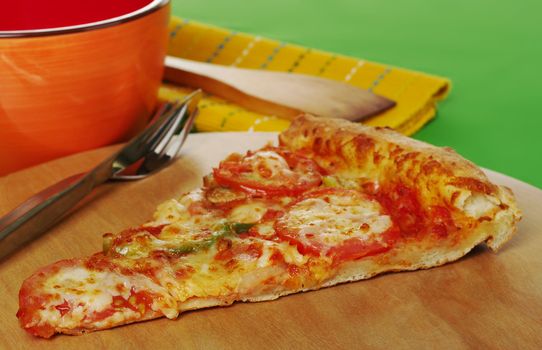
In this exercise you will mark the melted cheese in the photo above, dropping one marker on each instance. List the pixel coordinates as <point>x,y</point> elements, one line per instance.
<point>248,213</point>
<point>210,278</point>
<point>170,211</point>
<point>335,219</point>
<point>176,210</point>
<point>475,204</point>
<point>342,182</point>
<point>272,161</point>
<point>265,230</point>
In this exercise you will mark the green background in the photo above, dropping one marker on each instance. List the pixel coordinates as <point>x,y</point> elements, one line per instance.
<point>491,50</point>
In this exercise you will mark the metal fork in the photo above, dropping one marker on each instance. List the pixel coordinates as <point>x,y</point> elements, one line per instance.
<point>145,154</point>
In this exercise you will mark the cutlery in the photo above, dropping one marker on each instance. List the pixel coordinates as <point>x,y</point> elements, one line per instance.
<point>150,151</point>
<point>282,94</point>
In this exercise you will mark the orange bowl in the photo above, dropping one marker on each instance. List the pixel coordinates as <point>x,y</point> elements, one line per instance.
<point>79,86</point>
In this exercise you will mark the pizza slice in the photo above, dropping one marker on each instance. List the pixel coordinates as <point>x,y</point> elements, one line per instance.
<point>333,202</point>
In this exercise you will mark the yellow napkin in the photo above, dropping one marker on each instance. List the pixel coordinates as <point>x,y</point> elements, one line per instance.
<point>416,93</point>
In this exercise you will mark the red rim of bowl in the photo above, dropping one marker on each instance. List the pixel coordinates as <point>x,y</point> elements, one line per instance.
<point>149,8</point>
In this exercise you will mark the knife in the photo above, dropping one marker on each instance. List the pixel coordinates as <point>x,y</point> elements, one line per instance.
<point>285,95</point>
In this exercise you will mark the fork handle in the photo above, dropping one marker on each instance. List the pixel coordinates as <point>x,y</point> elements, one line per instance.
<point>39,212</point>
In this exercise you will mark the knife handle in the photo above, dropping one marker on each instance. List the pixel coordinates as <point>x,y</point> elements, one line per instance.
<point>39,212</point>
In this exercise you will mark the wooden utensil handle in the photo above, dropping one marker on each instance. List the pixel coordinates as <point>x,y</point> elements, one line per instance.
<point>278,93</point>
<point>229,92</point>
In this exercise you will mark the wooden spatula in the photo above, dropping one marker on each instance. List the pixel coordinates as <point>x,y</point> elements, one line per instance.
<point>276,93</point>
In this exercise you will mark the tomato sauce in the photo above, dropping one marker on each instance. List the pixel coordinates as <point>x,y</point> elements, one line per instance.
<point>99,262</point>
<point>29,305</point>
<point>293,270</point>
<point>142,298</point>
<point>272,214</point>
<point>403,205</point>
<point>44,331</point>
<point>355,249</point>
<point>101,315</point>
<point>184,272</point>
<point>277,257</point>
<point>136,300</point>
<point>441,221</point>
<point>126,235</point>
<point>63,308</point>
<point>253,250</point>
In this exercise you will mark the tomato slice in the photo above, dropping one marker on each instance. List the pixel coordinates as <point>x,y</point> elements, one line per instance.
<point>355,248</point>
<point>269,172</point>
<point>339,223</point>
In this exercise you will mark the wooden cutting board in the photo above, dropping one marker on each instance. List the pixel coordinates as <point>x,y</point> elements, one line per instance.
<point>484,300</point>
